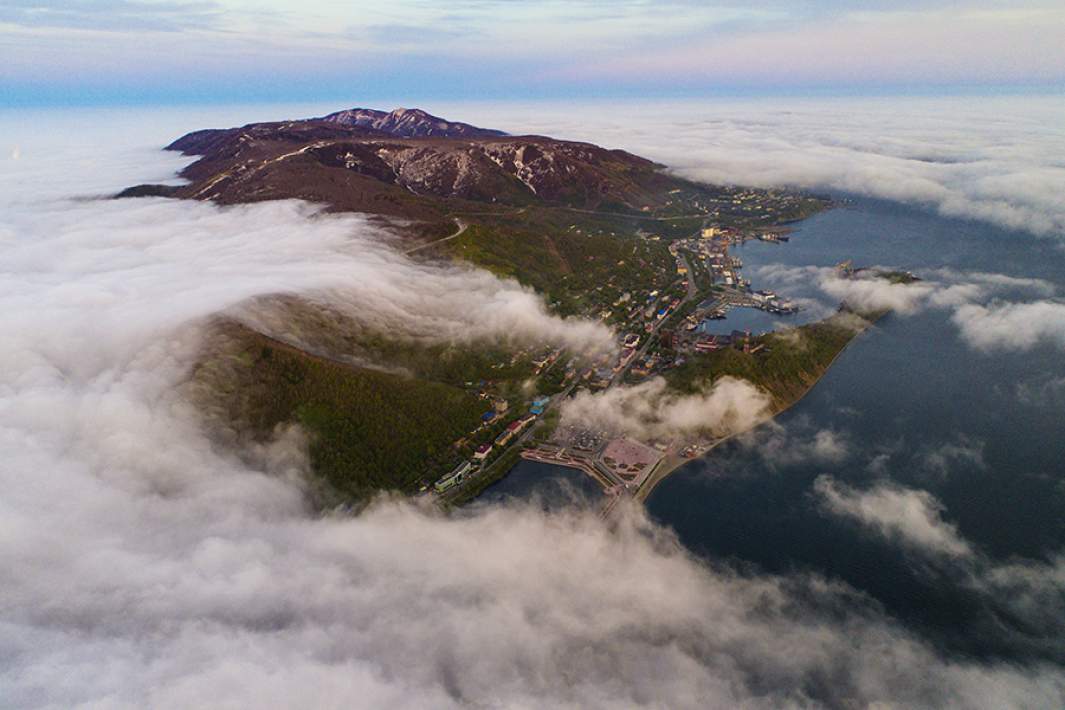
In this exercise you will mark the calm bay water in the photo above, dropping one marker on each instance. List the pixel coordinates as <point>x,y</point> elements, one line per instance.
<point>913,405</point>
<point>552,486</point>
<point>748,319</point>
<point>909,404</point>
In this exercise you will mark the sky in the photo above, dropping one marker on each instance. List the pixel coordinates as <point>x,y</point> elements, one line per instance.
<point>181,51</point>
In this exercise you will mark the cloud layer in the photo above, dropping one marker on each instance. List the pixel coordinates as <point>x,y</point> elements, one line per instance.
<point>990,159</point>
<point>650,410</point>
<point>914,517</point>
<point>141,566</point>
<point>974,299</point>
<point>1005,326</point>
<point>1029,593</point>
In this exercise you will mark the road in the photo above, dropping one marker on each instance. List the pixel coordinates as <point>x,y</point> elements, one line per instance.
<point>557,399</point>
<point>457,233</point>
<point>692,292</point>
<point>648,218</point>
<point>227,173</point>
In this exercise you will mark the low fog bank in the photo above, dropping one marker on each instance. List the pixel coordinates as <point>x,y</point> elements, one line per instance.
<point>981,305</point>
<point>141,566</point>
<point>650,410</point>
<point>995,159</point>
<point>1030,593</point>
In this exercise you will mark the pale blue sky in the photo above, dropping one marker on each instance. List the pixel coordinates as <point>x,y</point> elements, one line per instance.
<point>115,51</point>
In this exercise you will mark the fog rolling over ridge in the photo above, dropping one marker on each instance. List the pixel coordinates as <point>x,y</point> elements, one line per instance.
<point>142,566</point>
<point>992,159</point>
<point>997,159</point>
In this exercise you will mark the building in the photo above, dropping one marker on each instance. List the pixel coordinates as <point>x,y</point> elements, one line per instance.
<point>454,478</point>
<point>645,366</point>
<point>763,297</point>
<point>519,424</point>
<point>539,404</point>
<point>482,451</point>
<point>603,377</point>
<point>741,340</point>
<point>624,359</point>
<point>709,344</point>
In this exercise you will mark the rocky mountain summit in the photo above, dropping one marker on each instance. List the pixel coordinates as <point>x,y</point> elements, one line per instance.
<point>408,123</point>
<point>401,163</point>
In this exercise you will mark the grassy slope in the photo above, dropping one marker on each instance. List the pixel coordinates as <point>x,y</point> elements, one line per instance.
<point>577,271</point>
<point>323,330</point>
<point>790,363</point>
<point>374,430</point>
<point>370,430</point>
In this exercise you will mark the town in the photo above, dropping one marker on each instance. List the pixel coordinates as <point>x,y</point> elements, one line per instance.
<point>658,330</point>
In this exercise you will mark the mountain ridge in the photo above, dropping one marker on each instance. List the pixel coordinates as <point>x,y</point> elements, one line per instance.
<point>408,123</point>
<point>402,163</point>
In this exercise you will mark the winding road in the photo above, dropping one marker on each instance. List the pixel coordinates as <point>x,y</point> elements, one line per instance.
<point>457,233</point>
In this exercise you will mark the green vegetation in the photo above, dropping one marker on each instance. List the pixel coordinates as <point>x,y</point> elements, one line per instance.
<point>592,238</point>
<point>547,425</point>
<point>462,365</point>
<point>897,277</point>
<point>788,364</point>
<point>552,380</point>
<point>370,430</point>
<point>580,262</point>
<point>495,471</point>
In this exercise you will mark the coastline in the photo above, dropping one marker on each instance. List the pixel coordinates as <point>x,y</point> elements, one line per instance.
<point>672,462</point>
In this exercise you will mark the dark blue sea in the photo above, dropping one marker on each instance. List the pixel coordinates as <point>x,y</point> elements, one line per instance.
<point>909,405</point>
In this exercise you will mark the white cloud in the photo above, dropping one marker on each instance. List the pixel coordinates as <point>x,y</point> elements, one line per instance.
<point>983,321</point>
<point>141,566</point>
<point>942,458</point>
<point>1031,592</point>
<point>1035,590</point>
<point>651,410</point>
<point>968,287</point>
<point>990,159</point>
<point>1012,326</point>
<point>124,252</point>
<point>912,516</point>
<point>869,294</point>
<point>1042,390</point>
<point>780,446</point>
<point>864,291</point>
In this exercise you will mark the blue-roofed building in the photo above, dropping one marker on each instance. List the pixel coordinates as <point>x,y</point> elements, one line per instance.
<point>539,404</point>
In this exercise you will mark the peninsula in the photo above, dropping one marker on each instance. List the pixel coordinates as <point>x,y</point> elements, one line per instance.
<point>599,233</point>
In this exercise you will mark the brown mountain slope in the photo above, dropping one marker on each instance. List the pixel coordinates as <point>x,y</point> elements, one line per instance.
<point>408,123</point>
<point>394,164</point>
